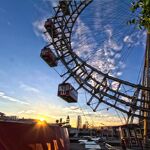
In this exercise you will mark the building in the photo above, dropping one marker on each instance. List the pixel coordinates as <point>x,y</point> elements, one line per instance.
<point>79,122</point>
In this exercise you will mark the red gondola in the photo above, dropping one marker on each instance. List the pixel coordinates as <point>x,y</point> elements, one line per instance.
<point>49,57</point>
<point>67,92</point>
<point>50,27</point>
<point>64,7</point>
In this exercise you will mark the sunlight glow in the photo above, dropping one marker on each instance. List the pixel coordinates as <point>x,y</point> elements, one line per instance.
<point>41,122</point>
<point>42,119</point>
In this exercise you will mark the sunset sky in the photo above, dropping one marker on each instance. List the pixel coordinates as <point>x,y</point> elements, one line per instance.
<point>28,87</point>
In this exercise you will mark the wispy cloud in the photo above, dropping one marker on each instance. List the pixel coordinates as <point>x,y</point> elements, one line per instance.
<point>95,41</point>
<point>35,114</point>
<point>53,2</point>
<point>135,39</point>
<point>30,111</point>
<point>39,30</point>
<point>38,25</point>
<point>87,39</point>
<point>12,99</point>
<point>73,111</point>
<point>29,88</point>
<point>128,39</point>
<point>104,57</point>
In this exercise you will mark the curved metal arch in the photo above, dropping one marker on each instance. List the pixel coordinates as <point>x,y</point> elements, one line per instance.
<point>102,89</point>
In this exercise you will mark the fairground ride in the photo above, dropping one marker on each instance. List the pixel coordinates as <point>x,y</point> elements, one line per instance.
<point>131,99</point>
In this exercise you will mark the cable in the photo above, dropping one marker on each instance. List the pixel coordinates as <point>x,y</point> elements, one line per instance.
<point>139,78</point>
<point>119,116</point>
<point>57,72</point>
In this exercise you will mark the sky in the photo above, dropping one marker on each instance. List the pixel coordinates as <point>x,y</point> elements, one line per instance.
<point>28,87</point>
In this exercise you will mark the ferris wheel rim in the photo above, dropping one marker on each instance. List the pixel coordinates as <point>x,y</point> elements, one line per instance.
<point>76,58</point>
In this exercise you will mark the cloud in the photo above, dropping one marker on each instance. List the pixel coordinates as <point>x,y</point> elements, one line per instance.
<point>53,2</point>
<point>29,88</point>
<point>104,57</point>
<point>26,112</point>
<point>83,45</point>
<point>114,85</point>
<point>12,99</point>
<point>135,39</point>
<point>73,111</point>
<point>39,30</point>
<point>128,39</point>
<point>102,44</point>
<point>74,108</point>
<point>39,27</point>
<point>36,114</point>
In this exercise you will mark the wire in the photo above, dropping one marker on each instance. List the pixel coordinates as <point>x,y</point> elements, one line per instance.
<point>119,116</point>
<point>120,31</point>
<point>140,74</point>
<point>57,72</point>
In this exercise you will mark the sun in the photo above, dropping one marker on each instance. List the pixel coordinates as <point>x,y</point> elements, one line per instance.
<point>42,119</point>
<point>41,122</point>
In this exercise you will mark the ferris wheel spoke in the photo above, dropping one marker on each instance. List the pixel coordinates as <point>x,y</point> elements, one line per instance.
<point>114,92</point>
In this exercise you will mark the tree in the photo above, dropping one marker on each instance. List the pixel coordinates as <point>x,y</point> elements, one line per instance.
<point>142,9</point>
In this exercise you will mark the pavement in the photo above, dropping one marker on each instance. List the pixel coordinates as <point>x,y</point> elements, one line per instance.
<point>76,146</point>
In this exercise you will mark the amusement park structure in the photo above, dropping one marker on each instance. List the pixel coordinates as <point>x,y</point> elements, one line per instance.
<point>101,88</point>
<point>146,82</point>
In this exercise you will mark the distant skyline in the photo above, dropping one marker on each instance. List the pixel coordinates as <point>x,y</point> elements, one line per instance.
<point>28,87</point>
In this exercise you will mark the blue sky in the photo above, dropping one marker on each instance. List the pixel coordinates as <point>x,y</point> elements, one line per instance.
<point>28,87</point>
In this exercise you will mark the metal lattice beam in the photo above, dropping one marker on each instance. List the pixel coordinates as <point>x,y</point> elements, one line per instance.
<point>103,88</point>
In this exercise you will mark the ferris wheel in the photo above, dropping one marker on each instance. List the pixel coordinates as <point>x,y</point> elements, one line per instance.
<point>102,86</point>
